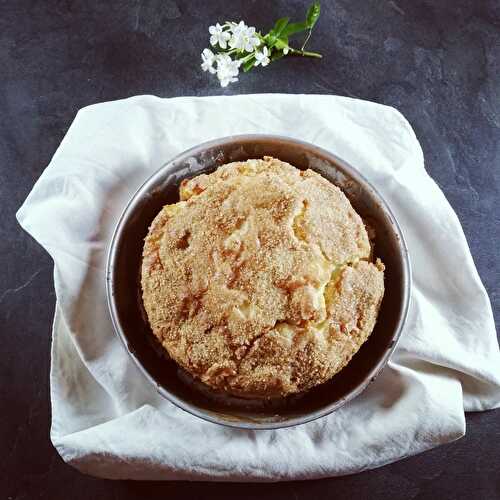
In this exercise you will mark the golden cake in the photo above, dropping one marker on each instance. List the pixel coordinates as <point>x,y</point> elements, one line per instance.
<point>259,281</point>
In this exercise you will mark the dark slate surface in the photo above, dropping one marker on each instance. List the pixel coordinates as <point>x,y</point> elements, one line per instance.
<point>437,61</point>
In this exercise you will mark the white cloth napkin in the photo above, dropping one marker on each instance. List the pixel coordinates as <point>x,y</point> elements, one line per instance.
<point>106,418</point>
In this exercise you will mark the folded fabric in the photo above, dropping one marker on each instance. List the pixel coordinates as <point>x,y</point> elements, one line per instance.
<point>107,420</point>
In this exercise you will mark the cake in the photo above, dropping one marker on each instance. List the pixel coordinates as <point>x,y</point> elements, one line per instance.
<point>259,282</point>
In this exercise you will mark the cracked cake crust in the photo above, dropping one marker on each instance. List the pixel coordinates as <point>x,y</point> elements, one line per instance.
<point>258,282</point>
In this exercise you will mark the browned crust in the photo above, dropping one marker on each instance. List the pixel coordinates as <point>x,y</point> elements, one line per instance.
<point>257,281</point>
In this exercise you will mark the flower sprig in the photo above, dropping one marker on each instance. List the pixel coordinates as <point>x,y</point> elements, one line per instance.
<point>238,45</point>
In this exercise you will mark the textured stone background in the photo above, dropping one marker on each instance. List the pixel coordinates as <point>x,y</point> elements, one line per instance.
<point>437,61</point>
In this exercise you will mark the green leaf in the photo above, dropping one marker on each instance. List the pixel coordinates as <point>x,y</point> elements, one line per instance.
<point>281,43</point>
<point>270,39</point>
<point>293,28</point>
<point>248,65</point>
<point>313,14</point>
<point>280,25</point>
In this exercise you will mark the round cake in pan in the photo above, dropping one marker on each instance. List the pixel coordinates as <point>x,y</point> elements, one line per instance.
<point>259,282</point>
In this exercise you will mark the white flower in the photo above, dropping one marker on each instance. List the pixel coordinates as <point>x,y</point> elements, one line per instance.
<point>286,50</point>
<point>243,37</point>
<point>262,58</point>
<point>218,36</point>
<point>227,69</point>
<point>236,29</point>
<point>252,40</point>
<point>208,60</point>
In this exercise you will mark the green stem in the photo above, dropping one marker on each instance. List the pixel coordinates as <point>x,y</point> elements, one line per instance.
<point>305,53</point>
<point>232,51</point>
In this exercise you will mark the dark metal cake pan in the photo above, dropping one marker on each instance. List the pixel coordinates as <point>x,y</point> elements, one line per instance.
<point>128,317</point>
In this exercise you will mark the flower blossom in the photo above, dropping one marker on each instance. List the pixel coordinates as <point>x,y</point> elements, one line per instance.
<point>262,58</point>
<point>243,37</point>
<point>218,36</point>
<point>208,60</point>
<point>227,69</point>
